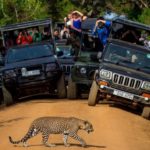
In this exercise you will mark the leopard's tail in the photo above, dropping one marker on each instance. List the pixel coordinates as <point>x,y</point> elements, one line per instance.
<point>29,134</point>
<point>13,142</point>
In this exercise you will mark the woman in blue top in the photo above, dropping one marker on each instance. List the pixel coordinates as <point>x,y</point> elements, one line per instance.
<point>76,22</point>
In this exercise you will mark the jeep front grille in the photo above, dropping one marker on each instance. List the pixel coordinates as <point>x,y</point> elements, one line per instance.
<point>126,81</point>
<point>66,68</point>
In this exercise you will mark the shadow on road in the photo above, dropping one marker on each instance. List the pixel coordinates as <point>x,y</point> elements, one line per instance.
<point>71,145</point>
<point>3,123</point>
<point>136,111</point>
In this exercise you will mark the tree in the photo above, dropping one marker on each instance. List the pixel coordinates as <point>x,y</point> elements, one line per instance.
<point>13,11</point>
<point>58,9</point>
<point>144,17</point>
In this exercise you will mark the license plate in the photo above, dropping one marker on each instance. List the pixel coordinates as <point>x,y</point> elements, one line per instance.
<point>123,94</point>
<point>31,73</point>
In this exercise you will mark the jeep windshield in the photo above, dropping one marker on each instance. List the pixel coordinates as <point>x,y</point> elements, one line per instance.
<point>65,49</point>
<point>125,56</point>
<point>28,52</point>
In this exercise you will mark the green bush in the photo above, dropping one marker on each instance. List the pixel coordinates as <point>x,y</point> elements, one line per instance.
<point>145,16</point>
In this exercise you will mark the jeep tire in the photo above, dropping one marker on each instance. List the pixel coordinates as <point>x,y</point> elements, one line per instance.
<point>92,100</point>
<point>7,97</point>
<point>146,112</point>
<point>72,89</point>
<point>61,88</point>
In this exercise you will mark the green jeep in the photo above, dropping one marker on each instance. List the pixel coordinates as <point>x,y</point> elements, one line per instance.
<point>83,70</point>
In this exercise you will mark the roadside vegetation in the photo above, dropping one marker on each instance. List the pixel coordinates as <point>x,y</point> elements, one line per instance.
<point>13,11</point>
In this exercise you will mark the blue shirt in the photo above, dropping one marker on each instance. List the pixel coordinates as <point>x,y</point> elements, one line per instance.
<point>103,33</point>
<point>77,24</point>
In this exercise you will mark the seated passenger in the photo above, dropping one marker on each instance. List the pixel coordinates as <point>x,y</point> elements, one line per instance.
<point>24,38</point>
<point>36,35</point>
<point>64,33</point>
<point>46,34</point>
<point>56,35</point>
<point>145,39</point>
<point>130,35</point>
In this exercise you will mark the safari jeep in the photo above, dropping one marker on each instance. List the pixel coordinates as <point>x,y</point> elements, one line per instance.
<point>31,69</point>
<point>82,72</point>
<point>123,76</point>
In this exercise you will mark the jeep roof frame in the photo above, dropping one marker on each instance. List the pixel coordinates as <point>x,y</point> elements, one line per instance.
<point>87,28</point>
<point>130,45</point>
<point>131,23</point>
<point>27,24</point>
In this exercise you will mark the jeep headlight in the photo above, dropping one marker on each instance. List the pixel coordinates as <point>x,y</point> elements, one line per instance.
<point>83,70</point>
<point>51,67</point>
<point>146,86</point>
<point>105,74</point>
<point>10,74</point>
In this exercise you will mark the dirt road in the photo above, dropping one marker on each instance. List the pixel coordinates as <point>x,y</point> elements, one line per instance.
<point>115,128</point>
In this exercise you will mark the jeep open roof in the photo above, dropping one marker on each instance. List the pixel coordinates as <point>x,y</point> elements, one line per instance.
<point>46,23</point>
<point>87,25</point>
<point>26,24</point>
<point>131,23</point>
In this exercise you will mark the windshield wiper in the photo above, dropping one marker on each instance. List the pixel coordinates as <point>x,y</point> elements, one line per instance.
<point>42,56</point>
<point>143,68</point>
<point>147,67</point>
<point>124,62</point>
<point>17,60</point>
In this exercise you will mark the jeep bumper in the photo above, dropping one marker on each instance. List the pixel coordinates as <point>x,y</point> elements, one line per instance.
<point>114,94</point>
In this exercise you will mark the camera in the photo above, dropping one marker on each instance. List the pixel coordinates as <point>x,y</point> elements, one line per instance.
<point>100,25</point>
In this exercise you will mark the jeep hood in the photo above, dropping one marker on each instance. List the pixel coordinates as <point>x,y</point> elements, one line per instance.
<point>86,56</point>
<point>25,63</point>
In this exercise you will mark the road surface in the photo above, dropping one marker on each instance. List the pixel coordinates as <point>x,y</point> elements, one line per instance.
<point>114,128</point>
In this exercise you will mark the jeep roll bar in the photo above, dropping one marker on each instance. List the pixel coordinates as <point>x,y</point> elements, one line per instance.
<point>24,25</point>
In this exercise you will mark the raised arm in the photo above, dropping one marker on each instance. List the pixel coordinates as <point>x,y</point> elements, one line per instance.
<point>78,12</point>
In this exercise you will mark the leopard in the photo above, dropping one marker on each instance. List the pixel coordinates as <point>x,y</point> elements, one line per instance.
<point>67,126</point>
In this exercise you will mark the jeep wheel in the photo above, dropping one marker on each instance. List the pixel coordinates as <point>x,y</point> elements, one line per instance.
<point>7,97</point>
<point>61,88</point>
<point>72,89</point>
<point>92,100</point>
<point>146,112</point>
<point>1,96</point>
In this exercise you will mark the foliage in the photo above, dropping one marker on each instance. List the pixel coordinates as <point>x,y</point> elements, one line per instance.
<point>58,9</point>
<point>145,16</point>
<point>12,11</point>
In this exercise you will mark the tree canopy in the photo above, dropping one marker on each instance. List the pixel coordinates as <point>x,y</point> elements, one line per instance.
<point>13,11</point>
